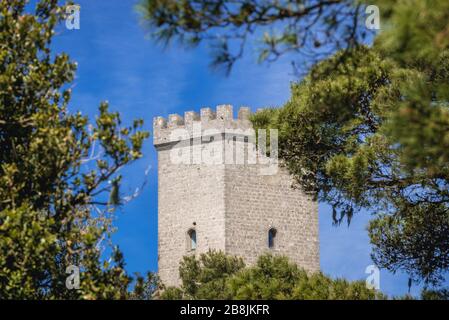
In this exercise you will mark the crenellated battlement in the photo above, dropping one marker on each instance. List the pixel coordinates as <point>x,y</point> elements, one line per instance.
<point>221,187</point>
<point>221,119</point>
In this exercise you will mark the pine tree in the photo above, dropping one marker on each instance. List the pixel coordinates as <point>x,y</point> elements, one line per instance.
<point>214,275</point>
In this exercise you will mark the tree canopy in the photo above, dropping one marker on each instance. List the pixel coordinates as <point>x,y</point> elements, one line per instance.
<point>54,210</point>
<point>214,275</point>
<point>368,129</point>
<point>313,29</point>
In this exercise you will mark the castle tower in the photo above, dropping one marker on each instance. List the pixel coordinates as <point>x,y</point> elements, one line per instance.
<point>215,192</point>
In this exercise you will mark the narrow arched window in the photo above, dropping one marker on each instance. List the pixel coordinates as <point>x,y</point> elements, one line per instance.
<point>192,244</point>
<point>271,238</point>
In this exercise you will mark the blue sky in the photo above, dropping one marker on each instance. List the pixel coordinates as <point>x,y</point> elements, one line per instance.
<point>118,63</point>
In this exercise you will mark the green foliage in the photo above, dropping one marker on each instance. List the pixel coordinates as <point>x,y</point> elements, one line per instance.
<point>413,239</point>
<point>442,294</point>
<point>205,278</point>
<point>145,288</point>
<point>368,128</point>
<point>217,276</point>
<point>27,243</point>
<point>52,208</point>
<point>271,278</point>
<point>415,30</point>
<point>173,293</point>
<point>311,28</point>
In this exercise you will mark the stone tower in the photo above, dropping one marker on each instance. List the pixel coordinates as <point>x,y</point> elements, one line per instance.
<point>213,198</point>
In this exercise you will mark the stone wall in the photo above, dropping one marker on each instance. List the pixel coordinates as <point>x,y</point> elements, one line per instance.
<point>228,202</point>
<point>254,204</point>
